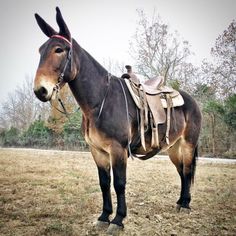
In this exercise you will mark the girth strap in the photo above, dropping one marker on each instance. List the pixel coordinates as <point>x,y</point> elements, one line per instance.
<point>143,116</point>
<point>128,120</point>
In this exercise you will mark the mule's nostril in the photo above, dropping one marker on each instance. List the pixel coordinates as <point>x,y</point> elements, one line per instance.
<point>41,93</point>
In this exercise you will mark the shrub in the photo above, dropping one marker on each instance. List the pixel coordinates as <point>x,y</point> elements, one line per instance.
<point>37,135</point>
<point>72,132</point>
<point>10,137</point>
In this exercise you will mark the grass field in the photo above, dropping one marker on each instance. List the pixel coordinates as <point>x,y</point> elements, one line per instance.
<point>57,193</point>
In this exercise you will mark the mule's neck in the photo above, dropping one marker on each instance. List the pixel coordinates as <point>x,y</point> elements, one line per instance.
<point>91,80</point>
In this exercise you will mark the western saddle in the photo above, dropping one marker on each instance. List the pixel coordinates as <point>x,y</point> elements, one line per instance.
<point>154,101</point>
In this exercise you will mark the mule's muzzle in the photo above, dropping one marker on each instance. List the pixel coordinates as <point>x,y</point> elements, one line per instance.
<point>42,94</point>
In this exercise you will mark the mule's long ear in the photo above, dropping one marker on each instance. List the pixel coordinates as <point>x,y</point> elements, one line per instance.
<point>44,26</point>
<point>64,31</point>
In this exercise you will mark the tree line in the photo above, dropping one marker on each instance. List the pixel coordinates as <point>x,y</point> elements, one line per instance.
<point>156,50</point>
<point>26,122</point>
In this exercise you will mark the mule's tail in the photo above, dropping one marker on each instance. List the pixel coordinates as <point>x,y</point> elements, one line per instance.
<point>194,164</point>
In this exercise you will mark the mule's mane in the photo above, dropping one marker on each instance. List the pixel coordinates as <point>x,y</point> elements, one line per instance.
<point>90,83</point>
<point>86,59</point>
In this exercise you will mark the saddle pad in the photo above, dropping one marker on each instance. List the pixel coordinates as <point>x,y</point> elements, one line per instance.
<point>177,101</point>
<point>133,94</point>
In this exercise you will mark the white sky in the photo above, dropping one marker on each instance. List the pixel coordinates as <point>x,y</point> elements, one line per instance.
<point>103,27</point>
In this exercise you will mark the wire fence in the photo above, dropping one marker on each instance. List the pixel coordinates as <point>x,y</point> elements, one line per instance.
<point>83,146</point>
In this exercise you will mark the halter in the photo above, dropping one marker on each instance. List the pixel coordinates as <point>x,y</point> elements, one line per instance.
<point>62,37</point>
<point>61,81</point>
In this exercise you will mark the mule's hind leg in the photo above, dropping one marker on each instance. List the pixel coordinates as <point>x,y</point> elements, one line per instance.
<point>103,164</point>
<point>183,155</point>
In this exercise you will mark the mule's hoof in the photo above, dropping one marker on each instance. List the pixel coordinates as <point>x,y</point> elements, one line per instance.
<point>114,229</point>
<point>185,210</point>
<point>178,207</point>
<point>101,224</point>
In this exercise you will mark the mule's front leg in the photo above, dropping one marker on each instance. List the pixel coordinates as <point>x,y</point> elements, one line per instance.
<point>119,173</point>
<point>119,163</point>
<point>105,181</point>
<point>103,164</point>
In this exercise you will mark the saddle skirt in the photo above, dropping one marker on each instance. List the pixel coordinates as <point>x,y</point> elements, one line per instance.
<point>152,97</point>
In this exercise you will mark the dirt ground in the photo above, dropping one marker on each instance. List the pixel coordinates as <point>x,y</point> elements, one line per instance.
<point>57,193</point>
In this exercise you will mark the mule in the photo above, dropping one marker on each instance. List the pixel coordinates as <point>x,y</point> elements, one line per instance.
<point>110,120</point>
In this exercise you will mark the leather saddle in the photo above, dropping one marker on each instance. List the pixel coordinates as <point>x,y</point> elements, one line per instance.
<point>154,101</point>
<point>151,86</point>
<point>155,86</point>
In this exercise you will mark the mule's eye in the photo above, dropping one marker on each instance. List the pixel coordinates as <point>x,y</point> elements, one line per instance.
<point>59,50</point>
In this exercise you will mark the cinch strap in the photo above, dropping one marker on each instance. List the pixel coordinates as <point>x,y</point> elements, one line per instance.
<point>61,37</point>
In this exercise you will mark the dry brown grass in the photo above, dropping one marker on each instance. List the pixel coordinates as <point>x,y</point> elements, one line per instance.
<point>57,193</point>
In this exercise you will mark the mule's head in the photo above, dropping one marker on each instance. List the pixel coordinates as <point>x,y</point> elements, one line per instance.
<point>56,65</point>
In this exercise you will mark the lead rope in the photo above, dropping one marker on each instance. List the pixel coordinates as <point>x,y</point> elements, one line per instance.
<point>104,99</point>
<point>128,120</point>
<point>64,112</point>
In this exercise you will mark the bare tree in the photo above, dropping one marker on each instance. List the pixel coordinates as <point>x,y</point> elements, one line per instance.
<point>220,74</point>
<point>114,67</point>
<point>158,52</point>
<point>21,107</point>
<point>224,53</point>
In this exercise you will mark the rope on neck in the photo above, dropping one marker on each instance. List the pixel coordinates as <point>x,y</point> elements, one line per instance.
<point>64,112</point>
<point>104,99</point>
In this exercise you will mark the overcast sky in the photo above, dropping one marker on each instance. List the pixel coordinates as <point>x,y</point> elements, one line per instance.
<point>103,27</point>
